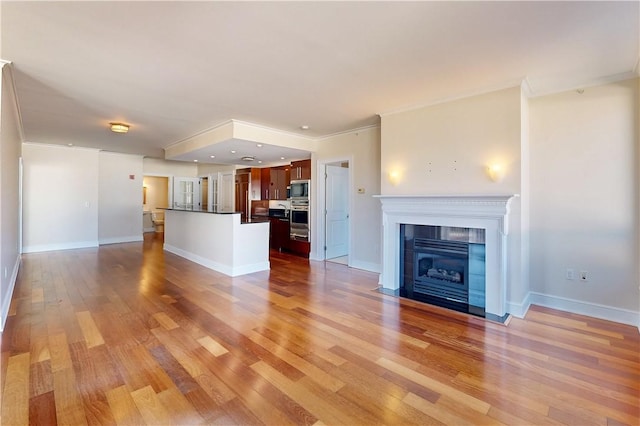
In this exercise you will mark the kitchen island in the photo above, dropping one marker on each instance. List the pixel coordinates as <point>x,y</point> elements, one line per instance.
<point>218,241</point>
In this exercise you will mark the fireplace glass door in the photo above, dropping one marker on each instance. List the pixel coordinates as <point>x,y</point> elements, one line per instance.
<point>443,266</point>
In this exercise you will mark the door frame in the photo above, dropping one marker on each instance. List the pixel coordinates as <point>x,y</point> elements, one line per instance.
<point>169,185</point>
<point>318,207</point>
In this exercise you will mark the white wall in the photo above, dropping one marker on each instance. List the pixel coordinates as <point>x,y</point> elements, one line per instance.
<point>154,166</point>
<point>120,198</point>
<point>10,148</point>
<point>208,169</point>
<point>444,149</point>
<point>584,197</point>
<point>60,201</point>
<point>523,275</point>
<point>362,148</point>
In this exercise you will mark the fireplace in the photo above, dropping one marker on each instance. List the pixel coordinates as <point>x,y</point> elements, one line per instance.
<point>443,266</point>
<point>486,214</point>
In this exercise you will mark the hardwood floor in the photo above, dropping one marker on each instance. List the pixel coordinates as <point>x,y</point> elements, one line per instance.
<point>128,334</point>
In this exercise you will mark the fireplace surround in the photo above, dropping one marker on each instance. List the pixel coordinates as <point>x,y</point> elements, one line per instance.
<point>489,213</point>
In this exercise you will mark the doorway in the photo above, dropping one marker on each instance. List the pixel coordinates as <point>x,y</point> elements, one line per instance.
<point>335,205</point>
<point>155,197</point>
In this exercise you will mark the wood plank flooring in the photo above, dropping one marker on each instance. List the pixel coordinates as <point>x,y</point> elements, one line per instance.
<point>127,334</point>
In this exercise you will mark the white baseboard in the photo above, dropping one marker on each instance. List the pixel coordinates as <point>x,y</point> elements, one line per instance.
<point>63,246</point>
<point>366,266</point>
<point>219,267</point>
<point>610,313</point>
<point>117,240</point>
<point>6,301</point>
<point>519,310</point>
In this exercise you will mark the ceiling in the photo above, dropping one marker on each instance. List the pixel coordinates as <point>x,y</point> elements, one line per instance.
<point>173,70</point>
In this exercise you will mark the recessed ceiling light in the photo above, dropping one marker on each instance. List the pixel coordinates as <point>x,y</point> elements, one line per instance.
<point>69,144</point>
<point>195,161</point>
<point>282,158</point>
<point>233,152</point>
<point>212,156</point>
<point>259,161</point>
<point>259,145</point>
<point>119,127</point>
<point>304,127</point>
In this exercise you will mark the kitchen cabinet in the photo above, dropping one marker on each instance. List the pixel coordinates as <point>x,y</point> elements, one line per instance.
<point>301,248</point>
<point>265,179</point>
<point>300,170</point>
<point>278,182</point>
<point>256,184</point>
<point>254,179</point>
<point>279,233</point>
<point>274,182</point>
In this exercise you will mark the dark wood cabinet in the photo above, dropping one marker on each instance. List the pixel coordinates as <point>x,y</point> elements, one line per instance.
<point>280,240</point>
<point>278,182</point>
<point>256,184</point>
<point>265,179</point>
<point>279,233</point>
<point>300,170</point>
<point>301,248</point>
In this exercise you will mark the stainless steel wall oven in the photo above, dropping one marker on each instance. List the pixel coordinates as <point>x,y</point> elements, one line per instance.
<point>299,219</point>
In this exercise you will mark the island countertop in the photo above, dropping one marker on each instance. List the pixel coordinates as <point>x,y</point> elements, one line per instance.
<point>252,219</point>
<point>217,241</point>
<point>214,211</point>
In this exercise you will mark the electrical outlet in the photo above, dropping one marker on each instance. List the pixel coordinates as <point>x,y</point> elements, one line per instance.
<point>584,276</point>
<point>571,274</point>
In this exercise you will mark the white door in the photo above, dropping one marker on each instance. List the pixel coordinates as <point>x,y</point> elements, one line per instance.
<point>226,192</point>
<point>213,193</point>
<point>337,211</point>
<point>186,193</point>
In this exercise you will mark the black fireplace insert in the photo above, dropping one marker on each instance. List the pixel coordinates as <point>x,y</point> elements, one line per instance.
<point>439,263</point>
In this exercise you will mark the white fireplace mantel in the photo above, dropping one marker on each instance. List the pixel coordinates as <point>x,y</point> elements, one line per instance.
<point>488,212</point>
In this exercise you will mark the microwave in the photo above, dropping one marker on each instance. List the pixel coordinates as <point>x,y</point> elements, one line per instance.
<point>299,189</point>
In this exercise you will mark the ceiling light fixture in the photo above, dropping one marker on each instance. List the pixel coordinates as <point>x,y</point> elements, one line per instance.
<point>212,156</point>
<point>259,145</point>
<point>247,158</point>
<point>119,127</point>
<point>233,152</point>
<point>304,127</point>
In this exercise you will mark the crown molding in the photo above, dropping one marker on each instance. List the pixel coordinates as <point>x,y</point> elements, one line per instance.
<point>465,95</point>
<point>274,130</point>
<point>346,132</point>
<point>8,71</point>
<point>600,81</point>
<point>62,146</point>
<point>234,122</point>
<point>526,87</point>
